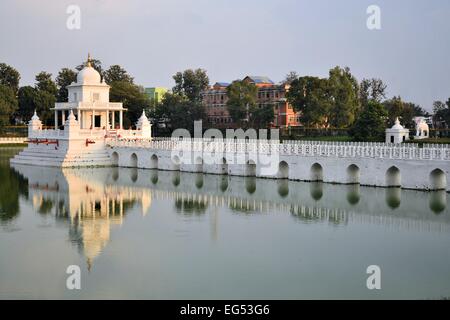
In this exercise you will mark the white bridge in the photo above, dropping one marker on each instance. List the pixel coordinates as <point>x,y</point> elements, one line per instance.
<point>372,164</point>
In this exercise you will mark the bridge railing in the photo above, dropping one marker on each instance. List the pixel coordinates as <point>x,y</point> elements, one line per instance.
<point>304,149</point>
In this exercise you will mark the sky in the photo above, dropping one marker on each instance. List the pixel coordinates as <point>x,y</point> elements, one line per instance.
<point>154,39</point>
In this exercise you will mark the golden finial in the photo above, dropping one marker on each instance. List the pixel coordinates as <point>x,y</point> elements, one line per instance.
<point>88,63</point>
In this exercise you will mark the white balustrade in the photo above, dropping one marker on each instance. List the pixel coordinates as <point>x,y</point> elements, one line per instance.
<point>300,148</point>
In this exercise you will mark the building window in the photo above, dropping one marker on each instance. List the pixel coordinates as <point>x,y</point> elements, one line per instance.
<point>96,96</point>
<point>74,96</point>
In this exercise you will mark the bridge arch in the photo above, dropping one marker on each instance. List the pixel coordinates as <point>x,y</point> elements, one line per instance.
<point>115,158</point>
<point>133,160</point>
<point>199,164</point>
<point>353,174</point>
<point>438,180</point>
<point>283,170</point>
<point>393,177</point>
<point>224,168</point>
<point>154,162</point>
<point>316,172</point>
<point>250,168</point>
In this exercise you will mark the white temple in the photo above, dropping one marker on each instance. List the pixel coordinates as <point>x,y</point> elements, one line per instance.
<point>88,119</point>
<point>397,134</point>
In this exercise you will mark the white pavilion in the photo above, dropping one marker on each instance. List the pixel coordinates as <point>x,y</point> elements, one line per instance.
<point>89,99</point>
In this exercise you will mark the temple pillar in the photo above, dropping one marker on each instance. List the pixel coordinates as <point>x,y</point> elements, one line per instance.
<point>63,115</point>
<point>113,120</point>
<point>56,119</point>
<point>93,119</point>
<point>121,119</point>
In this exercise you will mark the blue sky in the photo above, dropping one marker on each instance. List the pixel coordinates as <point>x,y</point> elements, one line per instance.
<point>230,39</point>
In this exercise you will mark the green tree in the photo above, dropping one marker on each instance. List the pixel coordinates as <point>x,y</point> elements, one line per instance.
<point>65,77</point>
<point>310,96</point>
<point>371,123</point>
<point>176,111</point>
<point>27,102</point>
<point>343,90</point>
<point>8,104</point>
<point>9,77</point>
<point>405,111</point>
<point>261,117</point>
<point>291,76</point>
<point>190,83</point>
<point>117,73</point>
<point>394,108</point>
<point>371,89</point>
<point>132,97</point>
<point>45,83</point>
<point>242,97</point>
<point>441,112</point>
<point>43,102</point>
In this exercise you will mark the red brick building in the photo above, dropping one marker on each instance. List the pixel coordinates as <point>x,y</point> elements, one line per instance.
<point>269,93</point>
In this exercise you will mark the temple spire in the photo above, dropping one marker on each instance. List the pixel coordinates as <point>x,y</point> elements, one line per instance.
<point>88,62</point>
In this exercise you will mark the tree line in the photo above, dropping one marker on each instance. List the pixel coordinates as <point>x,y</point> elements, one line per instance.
<point>338,101</point>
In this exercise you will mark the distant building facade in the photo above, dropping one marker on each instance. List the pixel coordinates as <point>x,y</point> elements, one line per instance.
<point>156,93</point>
<point>215,101</point>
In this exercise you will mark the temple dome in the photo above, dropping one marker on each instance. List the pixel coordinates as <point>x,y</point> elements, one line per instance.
<point>88,75</point>
<point>397,125</point>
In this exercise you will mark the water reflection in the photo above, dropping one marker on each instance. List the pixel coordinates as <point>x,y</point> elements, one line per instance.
<point>283,187</point>
<point>154,176</point>
<point>393,197</point>
<point>176,178</point>
<point>353,194</point>
<point>223,183</point>
<point>438,201</point>
<point>316,190</point>
<point>12,185</point>
<point>250,184</point>
<point>91,202</point>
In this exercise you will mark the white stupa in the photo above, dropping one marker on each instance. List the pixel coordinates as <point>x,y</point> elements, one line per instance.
<point>397,134</point>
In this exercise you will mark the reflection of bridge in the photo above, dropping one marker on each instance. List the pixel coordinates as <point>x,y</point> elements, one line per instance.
<point>371,164</point>
<point>94,200</point>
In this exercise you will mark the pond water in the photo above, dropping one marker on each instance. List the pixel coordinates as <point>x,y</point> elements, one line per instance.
<point>170,235</point>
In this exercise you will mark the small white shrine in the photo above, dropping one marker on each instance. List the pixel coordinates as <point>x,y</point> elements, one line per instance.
<point>397,134</point>
<point>422,129</point>
<point>82,127</point>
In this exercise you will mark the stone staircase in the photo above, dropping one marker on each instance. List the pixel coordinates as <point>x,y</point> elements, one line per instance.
<point>57,158</point>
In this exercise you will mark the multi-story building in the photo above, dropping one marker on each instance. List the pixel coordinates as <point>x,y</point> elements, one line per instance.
<point>155,93</point>
<point>269,93</point>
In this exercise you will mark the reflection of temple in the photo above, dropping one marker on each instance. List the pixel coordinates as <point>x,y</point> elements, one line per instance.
<point>93,201</point>
<point>83,198</point>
